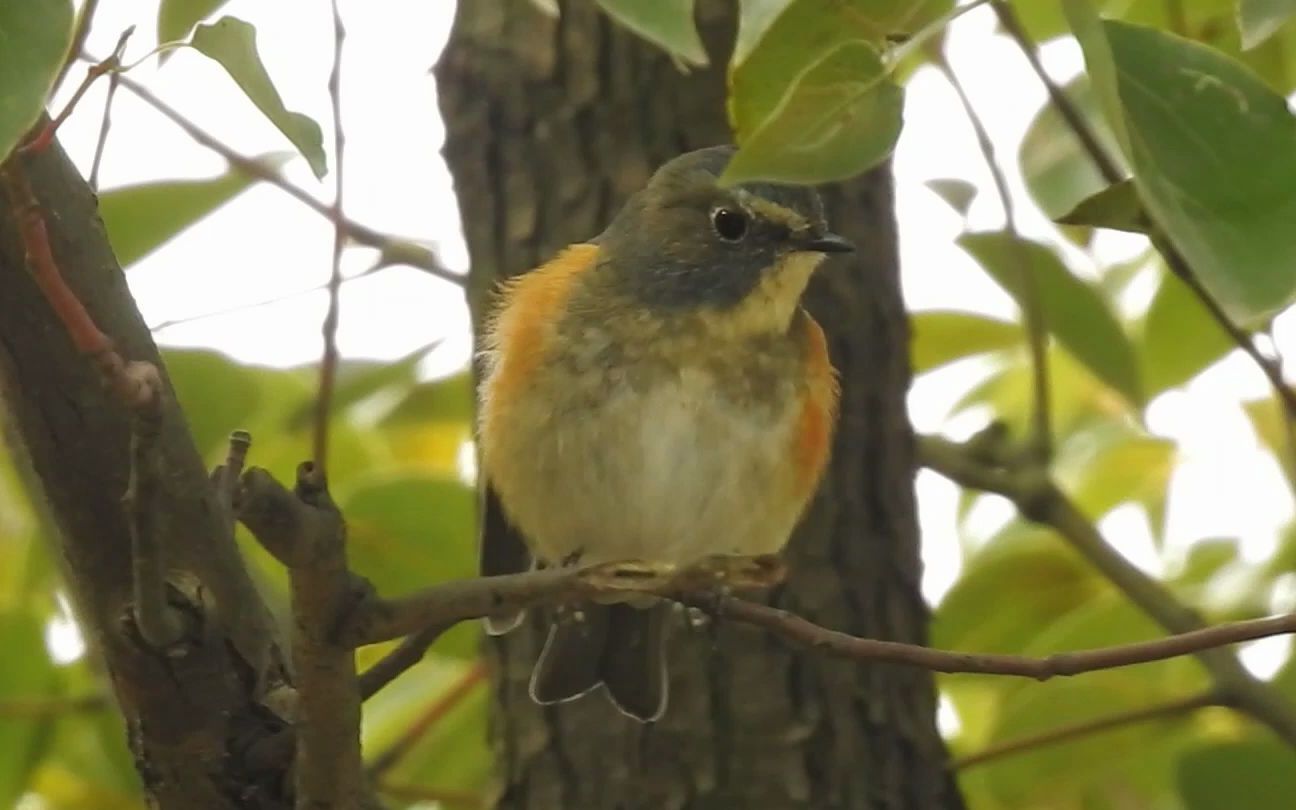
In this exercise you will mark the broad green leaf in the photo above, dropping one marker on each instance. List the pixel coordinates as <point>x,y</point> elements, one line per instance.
<point>785,27</point>
<point>1258,774</point>
<point>1135,762</point>
<point>1026,567</point>
<point>1270,425</point>
<point>445,400</point>
<point>941,337</point>
<point>176,18</point>
<point>1073,310</point>
<point>218,395</point>
<point>28,674</point>
<point>1059,174</point>
<point>142,218</point>
<point>959,194</point>
<point>1214,156</point>
<point>358,379</point>
<point>34,38</point>
<point>839,117</point>
<point>1205,559</point>
<point>1116,208</point>
<point>1179,338</point>
<point>232,43</point>
<point>1260,19</point>
<point>1113,465</point>
<point>666,23</point>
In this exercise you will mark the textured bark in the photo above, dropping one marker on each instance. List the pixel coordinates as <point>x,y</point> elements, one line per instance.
<point>551,123</point>
<point>194,714</point>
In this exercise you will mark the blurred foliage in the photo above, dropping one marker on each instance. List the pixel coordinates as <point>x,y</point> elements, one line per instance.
<point>1188,95</point>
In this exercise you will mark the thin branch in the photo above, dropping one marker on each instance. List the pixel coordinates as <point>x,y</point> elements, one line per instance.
<point>1105,163</point>
<point>395,663</point>
<point>265,302</point>
<point>394,250</point>
<point>1039,499</point>
<point>45,135</point>
<point>1041,444</point>
<point>304,530</point>
<point>79,36</point>
<point>453,696</point>
<point>1172,708</point>
<point>329,361</point>
<point>1112,173</point>
<point>105,123</point>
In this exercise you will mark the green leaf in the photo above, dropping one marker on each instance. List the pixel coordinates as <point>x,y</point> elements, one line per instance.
<point>232,42</point>
<point>176,18</point>
<point>1057,171</point>
<point>1116,208</point>
<point>666,23</point>
<point>142,218</point>
<point>839,117</point>
<point>1074,311</point>
<point>941,337</point>
<point>1214,156</point>
<point>359,379</point>
<point>959,194</point>
<point>28,674</point>
<point>1179,337</point>
<point>445,400</point>
<point>786,27</point>
<point>1114,465</point>
<point>217,394</point>
<point>1260,19</point>
<point>1256,774</point>
<point>34,38</point>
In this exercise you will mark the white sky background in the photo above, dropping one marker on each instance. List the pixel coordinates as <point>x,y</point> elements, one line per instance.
<point>264,244</point>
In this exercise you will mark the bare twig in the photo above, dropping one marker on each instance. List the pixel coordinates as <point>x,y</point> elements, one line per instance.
<point>408,653</point>
<point>329,361</point>
<point>79,36</point>
<point>1039,499</point>
<point>105,123</point>
<point>1041,441</point>
<point>45,134</point>
<point>394,250</point>
<point>304,530</point>
<point>454,695</point>
<point>1172,708</point>
<point>265,302</point>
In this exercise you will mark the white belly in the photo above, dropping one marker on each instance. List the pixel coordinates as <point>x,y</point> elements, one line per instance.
<point>671,473</point>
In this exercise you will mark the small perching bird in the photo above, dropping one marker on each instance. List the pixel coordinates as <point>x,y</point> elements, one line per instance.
<point>657,394</point>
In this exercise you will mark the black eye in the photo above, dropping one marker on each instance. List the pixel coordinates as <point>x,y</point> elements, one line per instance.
<point>731,225</point>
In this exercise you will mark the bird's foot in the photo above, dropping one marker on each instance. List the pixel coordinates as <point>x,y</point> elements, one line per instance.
<point>630,575</point>
<point>740,571</point>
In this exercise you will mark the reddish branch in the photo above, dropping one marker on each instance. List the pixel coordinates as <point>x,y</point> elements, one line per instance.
<point>453,696</point>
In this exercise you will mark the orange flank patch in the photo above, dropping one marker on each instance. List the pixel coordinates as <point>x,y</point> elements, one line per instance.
<point>520,329</point>
<point>818,411</point>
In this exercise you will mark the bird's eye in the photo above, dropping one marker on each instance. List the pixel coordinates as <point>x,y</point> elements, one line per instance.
<point>729,224</point>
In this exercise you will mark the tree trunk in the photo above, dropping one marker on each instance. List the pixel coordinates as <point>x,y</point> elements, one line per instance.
<point>551,123</point>
<point>196,713</point>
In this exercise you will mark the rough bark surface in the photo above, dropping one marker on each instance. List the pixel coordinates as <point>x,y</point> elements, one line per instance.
<point>551,123</point>
<point>195,714</point>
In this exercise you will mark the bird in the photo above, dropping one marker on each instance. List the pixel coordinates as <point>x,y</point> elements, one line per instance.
<point>657,393</point>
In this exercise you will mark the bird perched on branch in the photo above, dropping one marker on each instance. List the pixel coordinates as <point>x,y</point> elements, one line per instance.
<point>657,394</point>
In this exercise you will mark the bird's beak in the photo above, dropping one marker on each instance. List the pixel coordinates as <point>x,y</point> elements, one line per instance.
<point>827,243</point>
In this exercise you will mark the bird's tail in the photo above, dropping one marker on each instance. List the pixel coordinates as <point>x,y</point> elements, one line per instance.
<point>620,646</point>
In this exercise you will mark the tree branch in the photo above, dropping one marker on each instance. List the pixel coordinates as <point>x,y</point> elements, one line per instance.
<point>1039,499</point>
<point>1041,442</point>
<point>394,250</point>
<point>408,653</point>
<point>329,361</point>
<point>1173,708</point>
<point>304,530</point>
